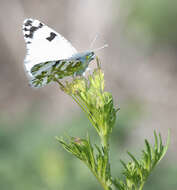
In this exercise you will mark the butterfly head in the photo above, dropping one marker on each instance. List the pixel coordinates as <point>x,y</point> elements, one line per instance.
<point>85,57</point>
<point>90,56</point>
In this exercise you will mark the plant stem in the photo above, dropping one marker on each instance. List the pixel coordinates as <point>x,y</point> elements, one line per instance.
<point>82,106</point>
<point>105,141</point>
<point>141,186</point>
<point>102,183</point>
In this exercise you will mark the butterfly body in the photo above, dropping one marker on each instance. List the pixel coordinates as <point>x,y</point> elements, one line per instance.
<point>85,58</point>
<point>50,56</point>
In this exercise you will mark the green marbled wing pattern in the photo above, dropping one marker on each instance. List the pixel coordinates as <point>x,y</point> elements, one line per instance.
<point>44,73</point>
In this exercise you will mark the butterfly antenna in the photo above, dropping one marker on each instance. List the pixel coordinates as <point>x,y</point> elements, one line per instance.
<point>102,47</point>
<point>93,41</point>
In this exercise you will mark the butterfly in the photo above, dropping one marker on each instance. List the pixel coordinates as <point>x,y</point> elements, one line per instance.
<point>50,56</point>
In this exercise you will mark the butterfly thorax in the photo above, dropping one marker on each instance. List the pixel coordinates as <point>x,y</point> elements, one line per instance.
<point>85,58</point>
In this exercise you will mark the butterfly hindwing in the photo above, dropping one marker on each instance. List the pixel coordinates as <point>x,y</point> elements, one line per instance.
<point>44,73</point>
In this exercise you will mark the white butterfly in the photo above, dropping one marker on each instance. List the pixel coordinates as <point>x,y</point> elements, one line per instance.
<point>47,49</point>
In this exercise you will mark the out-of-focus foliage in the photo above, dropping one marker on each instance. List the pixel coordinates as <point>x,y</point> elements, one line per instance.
<point>153,20</point>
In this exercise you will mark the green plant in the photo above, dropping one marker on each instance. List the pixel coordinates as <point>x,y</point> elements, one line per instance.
<point>88,93</point>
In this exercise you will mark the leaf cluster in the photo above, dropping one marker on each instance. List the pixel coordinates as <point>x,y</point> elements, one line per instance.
<point>136,171</point>
<point>98,105</point>
<point>90,95</point>
<point>96,162</point>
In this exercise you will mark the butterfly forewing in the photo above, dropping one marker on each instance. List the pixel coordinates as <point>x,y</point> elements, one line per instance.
<point>44,44</point>
<point>50,56</point>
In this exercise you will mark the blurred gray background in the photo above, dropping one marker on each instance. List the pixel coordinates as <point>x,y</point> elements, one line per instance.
<point>140,67</point>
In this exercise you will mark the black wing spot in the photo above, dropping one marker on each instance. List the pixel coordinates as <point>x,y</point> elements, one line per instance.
<point>28,23</point>
<point>32,29</point>
<point>56,63</point>
<point>25,29</point>
<point>40,25</point>
<point>51,37</point>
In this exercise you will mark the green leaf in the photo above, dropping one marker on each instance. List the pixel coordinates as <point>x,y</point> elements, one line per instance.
<point>134,159</point>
